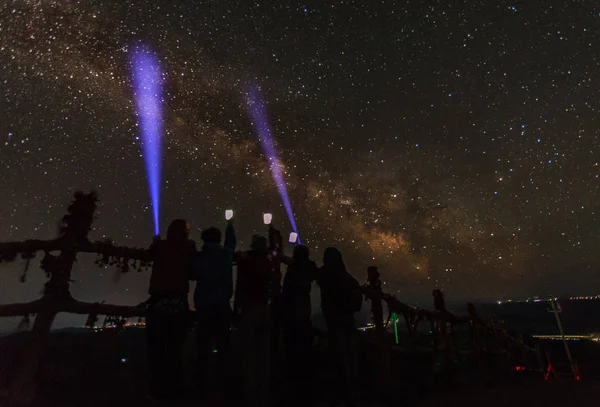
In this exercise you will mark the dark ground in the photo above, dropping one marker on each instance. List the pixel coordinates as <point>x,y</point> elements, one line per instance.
<point>104,369</point>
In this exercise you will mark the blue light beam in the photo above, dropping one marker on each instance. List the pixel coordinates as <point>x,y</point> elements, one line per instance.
<point>258,113</point>
<point>147,82</point>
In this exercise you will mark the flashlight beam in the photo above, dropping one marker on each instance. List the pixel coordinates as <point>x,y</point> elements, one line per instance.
<point>147,79</point>
<point>258,113</point>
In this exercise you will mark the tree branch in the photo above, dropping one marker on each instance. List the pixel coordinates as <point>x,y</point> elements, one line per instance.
<point>21,309</point>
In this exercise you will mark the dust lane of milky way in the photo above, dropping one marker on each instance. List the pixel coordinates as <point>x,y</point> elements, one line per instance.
<point>454,145</point>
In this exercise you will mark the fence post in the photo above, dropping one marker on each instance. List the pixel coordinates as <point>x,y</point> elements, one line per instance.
<point>56,292</point>
<point>73,238</point>
<point>540,361</point>
<point>476,337</point>
<point>440,320</point>
<point>377,309</point>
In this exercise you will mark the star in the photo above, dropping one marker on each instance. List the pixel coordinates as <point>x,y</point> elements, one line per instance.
<point>417,138</point>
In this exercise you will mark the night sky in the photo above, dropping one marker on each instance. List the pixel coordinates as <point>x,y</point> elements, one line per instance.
<point>454,145</point>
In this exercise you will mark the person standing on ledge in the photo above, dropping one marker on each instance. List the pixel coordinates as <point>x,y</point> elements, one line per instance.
<point>167,309</point>
<point>212,269</point>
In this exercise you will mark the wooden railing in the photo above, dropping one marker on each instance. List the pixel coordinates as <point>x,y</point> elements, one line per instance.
<point>56,297</point>
<point>485,338</point>
<point>73,239</point>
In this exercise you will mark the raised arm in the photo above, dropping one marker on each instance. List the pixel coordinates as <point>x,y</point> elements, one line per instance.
<point>279,244</point>
<point>237,301</point>
<point>287,260</point>
<point>230,239</point>
<point>153,249</point>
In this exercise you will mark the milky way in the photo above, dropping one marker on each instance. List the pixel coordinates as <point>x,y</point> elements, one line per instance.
<point>454,145</point>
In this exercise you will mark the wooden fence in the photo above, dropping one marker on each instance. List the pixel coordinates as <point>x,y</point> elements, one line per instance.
<point>59,256</point>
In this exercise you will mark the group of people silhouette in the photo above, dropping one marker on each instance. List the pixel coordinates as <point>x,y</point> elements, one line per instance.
<point>264,311</point>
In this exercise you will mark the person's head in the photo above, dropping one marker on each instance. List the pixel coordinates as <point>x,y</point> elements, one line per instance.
<point>259,243</point>
<point>211,235</point>
<point>300,252</point>
<point>332,257</point>
<point>178,230</point>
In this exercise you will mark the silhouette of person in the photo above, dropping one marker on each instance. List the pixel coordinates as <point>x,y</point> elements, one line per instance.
<point>167,308</point>
<point>339,302</point>
<point>439,305</point>
<point>297,310</point>
<point>212,269</point>
<point>275,240</point>
<point>256,279</point>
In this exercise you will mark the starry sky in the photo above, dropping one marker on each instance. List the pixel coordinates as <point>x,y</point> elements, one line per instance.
<point>453,144</point>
